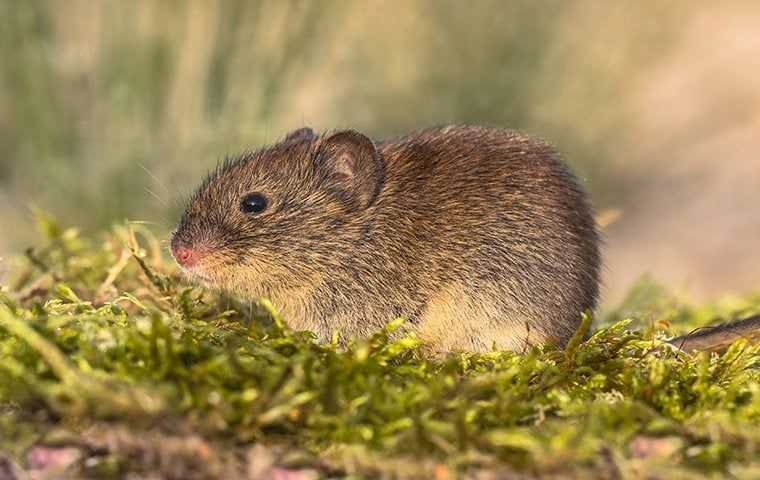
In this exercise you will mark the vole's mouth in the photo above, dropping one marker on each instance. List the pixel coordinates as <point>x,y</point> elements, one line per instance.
<point>196,273</point>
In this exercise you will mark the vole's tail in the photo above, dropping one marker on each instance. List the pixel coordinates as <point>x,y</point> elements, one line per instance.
<point>719,337</point>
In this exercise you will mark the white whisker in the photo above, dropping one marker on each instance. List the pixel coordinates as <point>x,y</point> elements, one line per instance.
<point>157,197</point>
<point>154,177</point>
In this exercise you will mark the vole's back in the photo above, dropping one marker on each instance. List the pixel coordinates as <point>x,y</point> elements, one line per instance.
<point>491,238</point>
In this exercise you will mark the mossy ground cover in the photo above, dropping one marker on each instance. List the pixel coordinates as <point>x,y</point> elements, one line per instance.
<point>111,366</point>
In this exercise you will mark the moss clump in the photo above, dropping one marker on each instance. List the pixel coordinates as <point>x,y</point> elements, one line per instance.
<point>110,365</point>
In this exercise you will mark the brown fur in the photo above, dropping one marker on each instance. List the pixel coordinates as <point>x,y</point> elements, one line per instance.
<point>478,236</point>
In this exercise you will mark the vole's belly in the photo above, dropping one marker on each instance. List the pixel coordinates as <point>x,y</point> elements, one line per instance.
<point>454,321</point>
<point>454,318</point>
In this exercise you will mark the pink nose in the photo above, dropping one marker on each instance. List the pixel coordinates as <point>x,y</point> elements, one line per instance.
<point>185,256</point>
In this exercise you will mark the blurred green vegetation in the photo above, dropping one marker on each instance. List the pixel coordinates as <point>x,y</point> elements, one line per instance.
<point>113,110</point>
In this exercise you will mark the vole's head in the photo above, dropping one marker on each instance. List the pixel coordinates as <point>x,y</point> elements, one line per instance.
<point>272,220</point>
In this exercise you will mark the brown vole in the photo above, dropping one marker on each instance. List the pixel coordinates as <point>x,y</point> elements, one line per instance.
<point>480,237</point>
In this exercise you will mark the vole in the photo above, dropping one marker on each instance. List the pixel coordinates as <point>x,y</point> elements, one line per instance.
<point>480,237</point>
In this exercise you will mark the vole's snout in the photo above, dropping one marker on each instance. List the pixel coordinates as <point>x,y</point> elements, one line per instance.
<point>186,256</point>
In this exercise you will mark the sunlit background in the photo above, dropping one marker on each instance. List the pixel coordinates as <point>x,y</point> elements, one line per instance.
<point>114,110</point>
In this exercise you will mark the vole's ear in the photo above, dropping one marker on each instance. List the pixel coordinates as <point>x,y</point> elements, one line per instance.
<point>353,167</point>
<point>301,135</point>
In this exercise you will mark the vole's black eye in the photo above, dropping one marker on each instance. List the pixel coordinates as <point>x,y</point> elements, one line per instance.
<point>253,203</point>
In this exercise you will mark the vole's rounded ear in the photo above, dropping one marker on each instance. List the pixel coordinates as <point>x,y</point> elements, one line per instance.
<point>352,166</point>
<point>301,135</point>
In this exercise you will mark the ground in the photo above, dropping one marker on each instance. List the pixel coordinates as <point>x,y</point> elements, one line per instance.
<point>112,367</point>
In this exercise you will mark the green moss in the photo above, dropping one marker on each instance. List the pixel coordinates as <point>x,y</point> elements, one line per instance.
<point>104,349</point>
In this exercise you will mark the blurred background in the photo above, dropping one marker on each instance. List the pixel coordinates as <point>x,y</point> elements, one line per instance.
<point>114,110</point>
